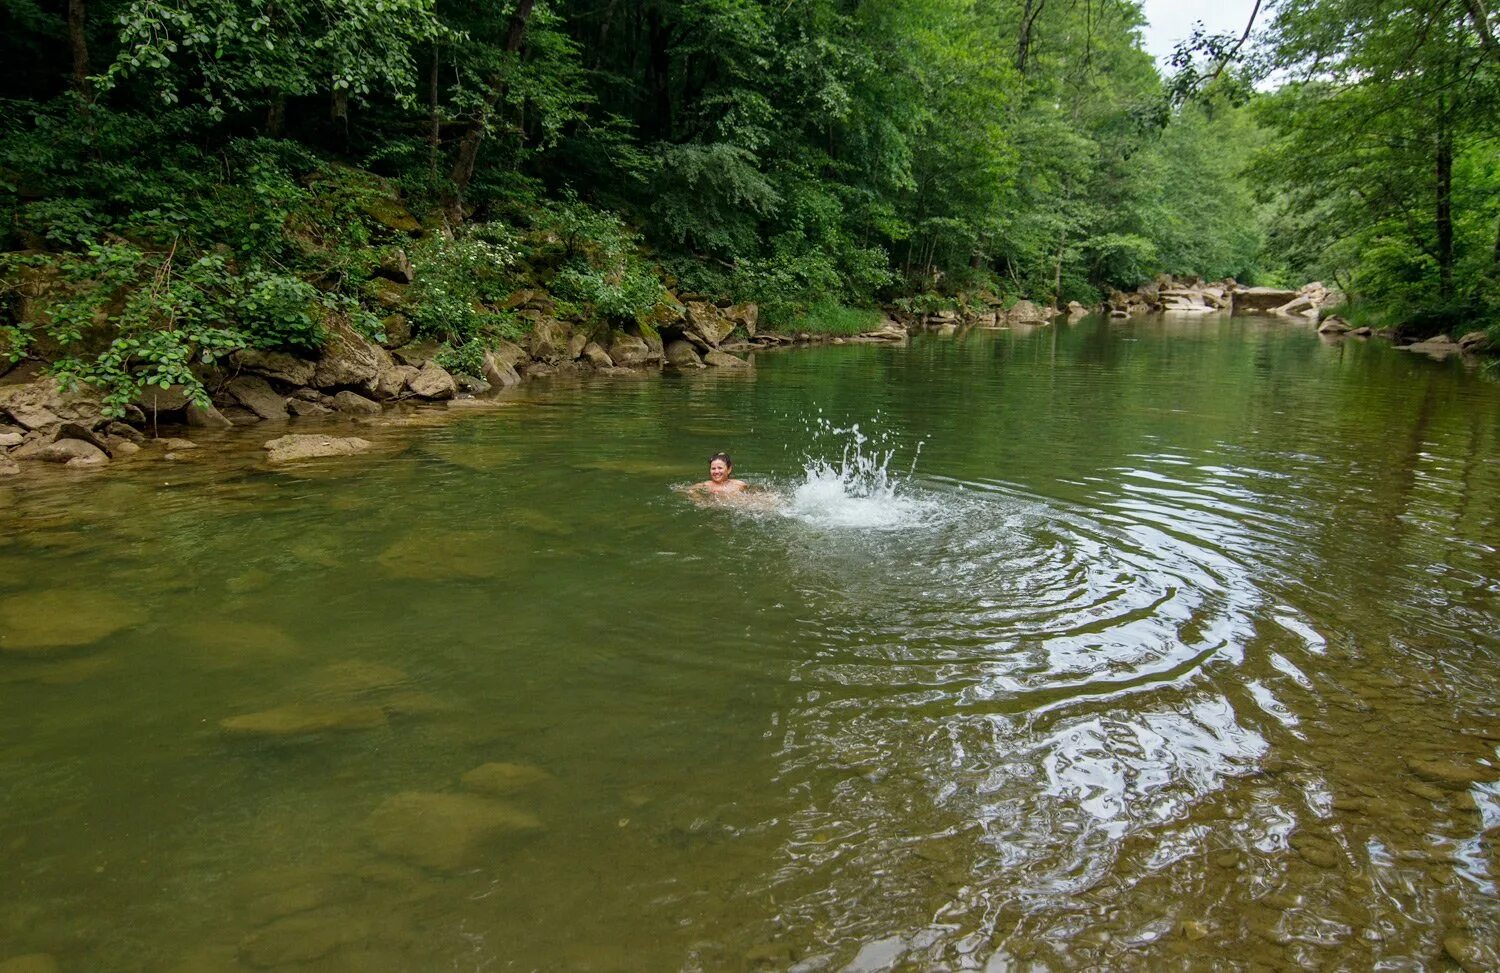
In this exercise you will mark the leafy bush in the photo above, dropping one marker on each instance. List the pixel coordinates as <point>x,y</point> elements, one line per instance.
<point>455,278</point>
<point>602,271</point>
<point>467,358</point>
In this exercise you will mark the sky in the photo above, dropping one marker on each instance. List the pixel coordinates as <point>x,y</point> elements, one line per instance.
<point>1172,20</point>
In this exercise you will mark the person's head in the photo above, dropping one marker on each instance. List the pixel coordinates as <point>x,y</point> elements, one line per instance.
<point>719,467</point>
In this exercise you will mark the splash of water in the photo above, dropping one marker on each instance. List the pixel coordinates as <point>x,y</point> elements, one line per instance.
<point>858,489</point>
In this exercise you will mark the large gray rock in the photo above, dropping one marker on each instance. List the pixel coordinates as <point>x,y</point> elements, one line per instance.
<point>153,399</point>
<point>286,449</point>
<point>305,407</point>
<point>349,359</point>
<point>433,382</point>
<point>723,359</point>
<point>394,381</point>
<point>45,402</point>
<point>1260,300</point>
<point>1475,342</point>
<point>549,340</point>
<point>576,343</point>
<point>1027,312</point>
<point>746,316</point>
<point>704,322</point>
<point>8,466</point>
<point>256,394</point>
<point>597,356</point>
<point>445,832</point>
<point>205,416</point>
<point>1334,325</point>
<point>276,365</point>
<point>354,404</point>
<point>74,452</point>
<point>509,353</point>
<point>629,351</point>
<point>498,372</point>
<point>680,354</point>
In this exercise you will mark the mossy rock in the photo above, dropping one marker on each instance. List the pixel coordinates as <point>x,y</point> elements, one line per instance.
<point>390,214</point>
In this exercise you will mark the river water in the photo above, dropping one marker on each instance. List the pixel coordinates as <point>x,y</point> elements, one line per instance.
<point>1147,645</point>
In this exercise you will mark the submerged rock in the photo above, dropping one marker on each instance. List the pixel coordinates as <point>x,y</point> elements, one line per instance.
<point>63,618</point>
<point>31,963</point>
<point>304,938</point>
<point>445,832</point>
<point>294,447</point>
<point>723,359</point>
<point>680,354</point>
<point>502,779</point>
<point>303,719</point>
<point>1447,773</point>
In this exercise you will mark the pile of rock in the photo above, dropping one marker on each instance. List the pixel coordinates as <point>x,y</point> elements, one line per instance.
<point>1189,295</point>
<point>989,312</point>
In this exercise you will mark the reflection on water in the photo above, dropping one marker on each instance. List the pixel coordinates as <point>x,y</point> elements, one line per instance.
<point>1174,652</point>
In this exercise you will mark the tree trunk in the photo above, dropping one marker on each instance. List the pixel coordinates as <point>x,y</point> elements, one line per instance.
<point>78,43</point>
<point>276,117</point>
<point>659,76</point>
<point>1479,18</point>
<point>1062,246</point>
<point>434,121</point>
<point>1444,204</point>
<point>1030,11</point>
<point>468,146</point>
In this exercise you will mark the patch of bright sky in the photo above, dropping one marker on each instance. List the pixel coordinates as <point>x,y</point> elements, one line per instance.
<point>1172,21</point>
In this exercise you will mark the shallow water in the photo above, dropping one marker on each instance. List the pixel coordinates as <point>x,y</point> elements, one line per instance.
<point>1177,649</point>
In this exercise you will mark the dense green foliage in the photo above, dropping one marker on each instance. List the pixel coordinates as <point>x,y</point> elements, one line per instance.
<point>1384,165</point>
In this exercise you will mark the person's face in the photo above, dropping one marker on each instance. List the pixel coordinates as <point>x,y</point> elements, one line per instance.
<point>718,471</point>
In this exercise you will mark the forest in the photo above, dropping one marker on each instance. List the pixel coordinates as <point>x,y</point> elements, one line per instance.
<point>181,179</point>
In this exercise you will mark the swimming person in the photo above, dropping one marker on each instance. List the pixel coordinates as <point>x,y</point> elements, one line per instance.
<point>720,467</point>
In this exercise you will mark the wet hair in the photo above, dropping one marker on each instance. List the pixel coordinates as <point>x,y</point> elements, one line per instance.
<point>723,456</point>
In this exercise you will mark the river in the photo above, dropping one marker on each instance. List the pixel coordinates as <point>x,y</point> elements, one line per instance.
<point>1157,644</point>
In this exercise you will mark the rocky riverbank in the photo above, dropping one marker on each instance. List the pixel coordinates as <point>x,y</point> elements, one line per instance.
<point>46,421</point>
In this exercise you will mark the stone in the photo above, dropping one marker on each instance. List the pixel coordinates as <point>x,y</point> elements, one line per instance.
<point>349,359</point>
<point>389,213</point>
<point>256,394</point>
<point>8,466</point>
<point>304,938</point>
<point>1439,347</point>
<point>597,356</point>
<point>205,417</point>
<point>358,676</point>
<point>509,353</point>
<point>11,436</point>
<point>396,265</point>
<point>1474,342</point>
<point>498,372</point>
<point>1460,947</point>
<point>1334,325</point>
<point>723,359</point>
<point>1027,312</point>
<point>549,340</point>
<point>1363,332</point>
<point>44,402</point>
<point>680,354</point>
<point>125,431</point>
<point>304,719</point>
<point>432,381</point>
<point>172,442</point>
<point>389,293</point>
<point>502,779</point>
<point>629,351</point>
<point>576,344</point>
<point>303,408</point>
<point>746,316</point>
<point>1076,310</point>
<point>1260,300</point>
<point>123,447</point>
<point>277,365</point>
<point>445,832</point>
<point>298,447</point>
<point>397,330</point>
<point>63,618</point>
<point>703,320</point>
<point>469,385</point>
<point>394,382</point>
<point>74,430</point>
<point>71,450</point>
<point>355,404</point>
<point>154,399</point>
<point>31,963</point>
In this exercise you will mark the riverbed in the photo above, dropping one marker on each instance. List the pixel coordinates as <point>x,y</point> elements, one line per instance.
<point>1148,644</point>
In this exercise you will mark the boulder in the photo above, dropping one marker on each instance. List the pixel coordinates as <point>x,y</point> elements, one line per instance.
<point>1475,342</point>
<point>125,431</point>
<point>397,330</point>
<point>349,359</point>
<point>1335,325</point>
<point>416,353</point>
<point>723,359</point>
<point>303,719</point>
<point>549,340</point>
<point>396,265</point>
<point>352,403</point>
<point>1260,300</point>
<point>75,430</point>
<point>704,322</point>
<point>445,832</point>
<point>432,381</point>
<point>1440,346</point>
<point>389,213</point>
<point>295,447</point>
<point>469,385</point>
<point>388,293</point>
<point>153,399</point>
<point>277,365</point>
<point>629,351</point>
<point>256,394</point>
<point>8,466</point>
<point>303,408</point>
<point>10,436</point>
<point>205,416</point>
<point>394,381</point>
<point>1076,310</point>
<point>1026,312</point>
<point>576,344</point>
<point>508,353</point>
<point>746,316</point>
<point>498,372</point>
<point>597,356</point>
<point>74,452</point>
<point>680,354</point>
<point>45,402</point>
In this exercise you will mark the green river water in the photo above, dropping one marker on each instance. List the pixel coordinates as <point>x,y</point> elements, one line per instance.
<point>1177,649</point>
